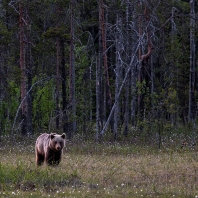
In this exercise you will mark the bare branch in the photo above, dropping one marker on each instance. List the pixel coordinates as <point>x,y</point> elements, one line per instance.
<point>25,99</point>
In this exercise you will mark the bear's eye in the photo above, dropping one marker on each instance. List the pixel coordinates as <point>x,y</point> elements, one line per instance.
<point>55,142</point>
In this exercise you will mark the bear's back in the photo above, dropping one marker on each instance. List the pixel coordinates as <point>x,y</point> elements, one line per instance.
<point>42,142</point>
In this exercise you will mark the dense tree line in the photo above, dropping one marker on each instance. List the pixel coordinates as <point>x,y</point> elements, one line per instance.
<point>97,67</point>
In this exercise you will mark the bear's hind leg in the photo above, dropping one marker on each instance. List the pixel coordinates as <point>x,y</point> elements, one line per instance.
<point>39,159</point>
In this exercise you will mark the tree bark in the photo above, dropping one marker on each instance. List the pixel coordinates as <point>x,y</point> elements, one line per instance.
<point>99,85</point>
<point>64,80</point>
<point>98,96</point>
<point>23,71</point>
<point>72,73</point>
<point>57,90</point>
<point>143,58</point>
<point>104,53</point>
<point>29,75</point>
<point>126,112</point>
<point>191,113</point>
<point>118,76</point>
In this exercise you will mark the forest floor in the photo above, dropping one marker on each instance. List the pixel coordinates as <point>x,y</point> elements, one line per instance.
<point>99,170</point>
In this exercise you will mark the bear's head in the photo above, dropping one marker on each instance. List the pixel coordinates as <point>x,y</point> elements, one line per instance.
<point>57,142</point>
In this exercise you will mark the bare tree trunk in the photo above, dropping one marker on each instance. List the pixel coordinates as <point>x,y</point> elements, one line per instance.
<point>118,75</point>
<point>104,48</point>
<point>191,107</point>
<point>29,76</point>
<point>99,98</point>
<point>23,70</point>
<point>143,59</point>
<point>57,90</point>
<point>134,79</point>
<point>99,92</point>
<point>64,80</point>
<point>72,74</point>
<point>152,80</point>
<point>172,74</point>
<point>98,128</point>
<point>134,97</point>
<point>120,89</point>
<point>139,95</point>
<point>126,113</point>
<point>99,115</point>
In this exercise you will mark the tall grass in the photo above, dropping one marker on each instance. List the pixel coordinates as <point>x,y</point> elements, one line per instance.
<point>99,170</point>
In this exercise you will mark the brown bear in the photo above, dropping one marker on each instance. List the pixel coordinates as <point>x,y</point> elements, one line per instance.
<point>49,148</point>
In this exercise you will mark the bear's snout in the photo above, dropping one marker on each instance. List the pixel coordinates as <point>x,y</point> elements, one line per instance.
<point>58,148</point>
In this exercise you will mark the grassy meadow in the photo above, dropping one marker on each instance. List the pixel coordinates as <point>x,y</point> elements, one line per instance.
<point>99,170</point>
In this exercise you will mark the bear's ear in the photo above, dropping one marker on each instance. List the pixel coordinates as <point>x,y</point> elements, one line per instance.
<point>63,136</point>
<point>52,135</point>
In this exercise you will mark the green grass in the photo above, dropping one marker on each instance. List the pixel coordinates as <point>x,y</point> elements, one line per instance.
<point>99,170</point>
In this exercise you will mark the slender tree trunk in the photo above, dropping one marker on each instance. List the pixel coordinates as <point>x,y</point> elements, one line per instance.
<point>23,70</point>
<point>126,113</point>
<point>29,77</point>
<point>143,59</point>
<point>64,80</point>
<point>152,79</point>
<point>133,93</point>
<point>99,97</point>
<point>72,73</point>
<point>90,95</point>
<point>118,75</point>
<point>104,48</point>
<point>99,90</point>
<point>97,101</point>
<point>172,74</point>
<point>133,82</point>
<point>191,107</point>
<point>140,73</point>
<point>57,90</point>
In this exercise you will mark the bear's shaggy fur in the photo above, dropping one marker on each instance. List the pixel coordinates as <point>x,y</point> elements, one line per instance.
<point>49,148</point>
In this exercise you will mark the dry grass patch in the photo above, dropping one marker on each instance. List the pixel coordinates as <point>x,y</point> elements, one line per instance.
<point>149,174</point>
<point>91,170</point>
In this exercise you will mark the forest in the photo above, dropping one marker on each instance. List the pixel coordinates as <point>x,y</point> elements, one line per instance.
<point>119,78</point>
<point>121,69</point>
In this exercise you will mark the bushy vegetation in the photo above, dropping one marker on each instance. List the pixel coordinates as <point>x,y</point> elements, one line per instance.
<point>66,65</point>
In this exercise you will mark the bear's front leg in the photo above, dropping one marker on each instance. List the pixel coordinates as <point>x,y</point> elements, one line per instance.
<point>49,157</point>
<point>53,158</point>
<point>49,160</point>
<point>57,157</point>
